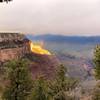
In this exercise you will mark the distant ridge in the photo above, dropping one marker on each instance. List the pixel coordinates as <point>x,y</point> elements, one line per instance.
<point>68,39</point>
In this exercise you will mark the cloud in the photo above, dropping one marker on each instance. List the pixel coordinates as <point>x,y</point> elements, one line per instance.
<point>70,17</point>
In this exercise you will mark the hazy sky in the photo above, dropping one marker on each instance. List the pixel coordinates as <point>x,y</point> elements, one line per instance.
<point>68,17</point>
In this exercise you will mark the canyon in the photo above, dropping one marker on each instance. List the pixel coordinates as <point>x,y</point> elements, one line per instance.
<point>15,46</point>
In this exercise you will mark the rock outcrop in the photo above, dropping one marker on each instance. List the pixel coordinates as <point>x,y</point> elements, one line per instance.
<point>13,46</point>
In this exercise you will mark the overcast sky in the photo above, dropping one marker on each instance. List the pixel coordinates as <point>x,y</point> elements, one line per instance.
<point>68,17</point>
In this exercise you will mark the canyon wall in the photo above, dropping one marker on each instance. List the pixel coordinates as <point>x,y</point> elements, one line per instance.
<point>13,46</point>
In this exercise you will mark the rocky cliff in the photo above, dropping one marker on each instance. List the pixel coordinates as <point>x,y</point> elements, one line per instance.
<point>13,46</point>
<point>43,65</point>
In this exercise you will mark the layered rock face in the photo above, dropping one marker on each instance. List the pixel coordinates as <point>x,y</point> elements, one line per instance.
<point>13,46</point>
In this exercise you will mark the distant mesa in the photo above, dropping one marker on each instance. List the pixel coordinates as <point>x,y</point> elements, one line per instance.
<point>66,39</point>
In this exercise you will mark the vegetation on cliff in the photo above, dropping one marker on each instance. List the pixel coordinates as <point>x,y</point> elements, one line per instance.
<point>20,81</point>
<point>21,87</point>
<point>97,62</point>
<point>96,92</point>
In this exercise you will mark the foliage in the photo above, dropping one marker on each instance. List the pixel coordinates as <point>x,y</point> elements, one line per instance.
<point>97,61</point>
<point>71,83</point>
<point>5,0</point>
<point>53,89</point>
<point>96,92</point>
<point>61,85</point>
<point>20,84</point>
<point>40,89</point>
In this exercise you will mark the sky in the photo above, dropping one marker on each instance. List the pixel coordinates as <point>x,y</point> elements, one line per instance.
<point>67,17</point>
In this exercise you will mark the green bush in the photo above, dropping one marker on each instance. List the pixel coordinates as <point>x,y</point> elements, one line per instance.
<point>20,82</point>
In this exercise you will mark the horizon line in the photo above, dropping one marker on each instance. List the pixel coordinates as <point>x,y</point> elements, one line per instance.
<point>63,35</point>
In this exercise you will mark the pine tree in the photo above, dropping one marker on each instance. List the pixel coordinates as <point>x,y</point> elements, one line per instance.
<point>40,89</point>
<point>20,84</point>
<point>58,86</point>
<point>96,92</point>
<point>62,84</point>
<point>97,61</point>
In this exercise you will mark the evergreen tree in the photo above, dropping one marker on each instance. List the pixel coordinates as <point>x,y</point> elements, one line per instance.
<point>40,89</point>
<point>57,88</point>
<point>97,61</point>
<point>96,92</point>
<point>61,85</point>
<point>20,84</point>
